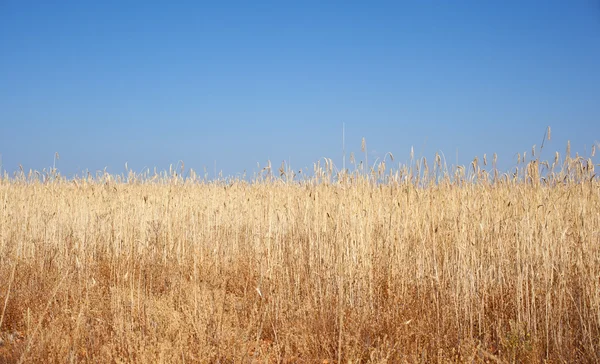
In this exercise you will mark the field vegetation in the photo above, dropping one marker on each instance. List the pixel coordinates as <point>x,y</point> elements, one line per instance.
<point>416,263</point>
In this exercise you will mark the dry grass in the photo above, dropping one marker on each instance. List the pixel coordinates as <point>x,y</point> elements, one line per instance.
<point>412,265</point>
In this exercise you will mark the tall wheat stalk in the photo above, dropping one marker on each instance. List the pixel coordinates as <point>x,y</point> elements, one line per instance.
<point>427,265</point>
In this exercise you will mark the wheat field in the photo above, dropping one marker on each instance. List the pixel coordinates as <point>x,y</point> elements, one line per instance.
<point>417,264</point>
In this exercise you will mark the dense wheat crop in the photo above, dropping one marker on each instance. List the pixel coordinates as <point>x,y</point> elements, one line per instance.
<point>412,265</point>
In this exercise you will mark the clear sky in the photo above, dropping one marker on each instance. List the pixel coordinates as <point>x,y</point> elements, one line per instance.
<point>151,83</point>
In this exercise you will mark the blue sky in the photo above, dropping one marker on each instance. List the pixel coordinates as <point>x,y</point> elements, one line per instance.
<point>108,82</point>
